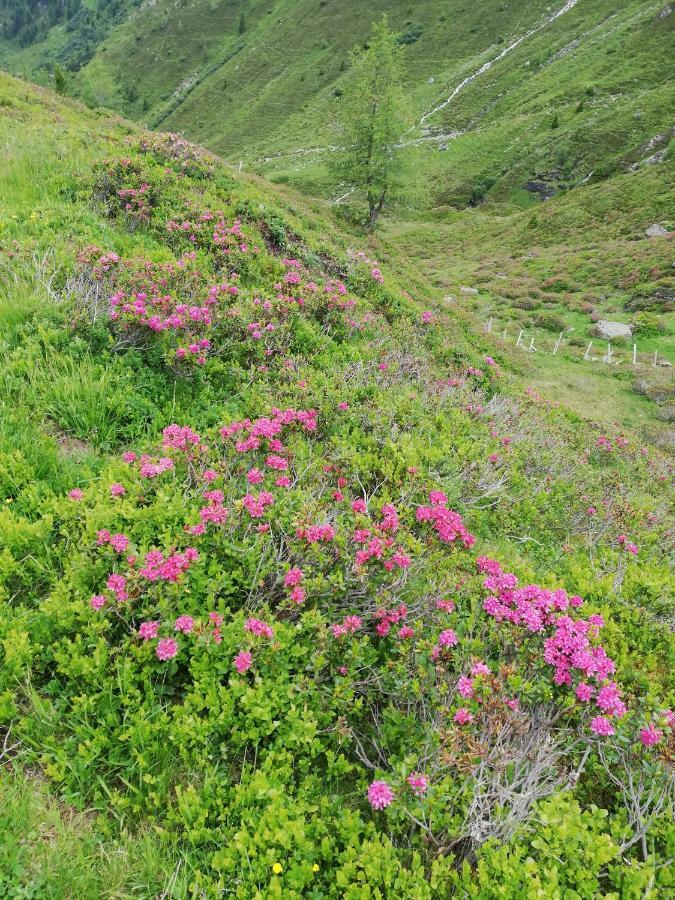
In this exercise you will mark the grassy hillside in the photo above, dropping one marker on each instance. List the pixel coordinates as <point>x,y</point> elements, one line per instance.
<point>553,151</point>
<point>260,81</point>
<point>305,589</point>
<point>559,269</point>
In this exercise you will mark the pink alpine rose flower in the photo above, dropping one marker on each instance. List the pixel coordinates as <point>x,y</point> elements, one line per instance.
<point>243,661</point>
<point>148,630</point>
<point>418,783</point>
<point>602,726</point>
<point>185,624</point>
<point>380,795</point>
<point>650,735</point>
<point>167,648</point>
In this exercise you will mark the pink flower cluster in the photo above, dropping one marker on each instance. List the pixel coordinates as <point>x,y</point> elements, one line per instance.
<point>447,524</point>
<point>258,628</point>
<point>215,512</point>
<point>385,618</point>
<point>147,631</point>
<point>650,735</point>
<point>269,428</point>
<point>117,585</point>
<point>160,568</point>
<point>627,545</point>
<point>376,541</point>
<point>292,580</point>
<point>568,643</point>
<point>180,437</point>
<point>418,783</point>
<point>243,661</point>
<point>446,639</point>
<point>350,625</point>
<point>119,542</point>
<point>380,795</point>
<point>146,466</point>
<point>185,624</point>
<point>142,298</point>
<point>211,231</point>
<point>315,534</point>
<point>167,648</point>
<point>255,505</point>
<point>136,202</point>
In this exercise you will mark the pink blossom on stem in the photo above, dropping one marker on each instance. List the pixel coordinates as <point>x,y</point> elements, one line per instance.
<point>465,687</point>
<point>185,624</point>
<point>418,783</point>
<point>167,648</point>
<point>650,735</point>
<point>380,795</point>
<point>148,630</point>
<point>602,726</point>
<point>243,661</point>
<point>448,638</point>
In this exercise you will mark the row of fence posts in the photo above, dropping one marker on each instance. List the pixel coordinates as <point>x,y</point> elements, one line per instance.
<point>607,358</point>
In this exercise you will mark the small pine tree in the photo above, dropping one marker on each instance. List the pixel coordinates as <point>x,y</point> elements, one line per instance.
<point>372,120</point>
<point>242,23</point>
<point>60,81</point>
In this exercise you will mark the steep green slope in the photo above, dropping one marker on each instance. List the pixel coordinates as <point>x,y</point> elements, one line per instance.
<point>254,80</point>
<point>265,506</point>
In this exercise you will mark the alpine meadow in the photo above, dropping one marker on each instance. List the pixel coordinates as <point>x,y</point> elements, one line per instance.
<point>336,449</point>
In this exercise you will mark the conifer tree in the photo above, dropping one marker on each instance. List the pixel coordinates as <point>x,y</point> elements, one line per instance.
<point>372,121</point>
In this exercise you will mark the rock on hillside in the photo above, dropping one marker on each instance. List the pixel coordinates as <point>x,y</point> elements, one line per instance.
<point>611,330</point>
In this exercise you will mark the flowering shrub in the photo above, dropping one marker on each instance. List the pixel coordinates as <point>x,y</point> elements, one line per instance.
<point>126,189</point>
<point>173,150</point>
<point>174,305</point>
<point>318,616</point>
<point>327,596</point>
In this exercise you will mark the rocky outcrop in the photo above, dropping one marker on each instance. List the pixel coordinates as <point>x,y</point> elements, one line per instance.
<point>611,330</point>
<point>656,230</point>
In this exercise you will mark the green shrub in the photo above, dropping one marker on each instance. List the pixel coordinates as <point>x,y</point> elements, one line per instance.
<point>550,321</point>
<point>647,324</point>
<point>411,34</point>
